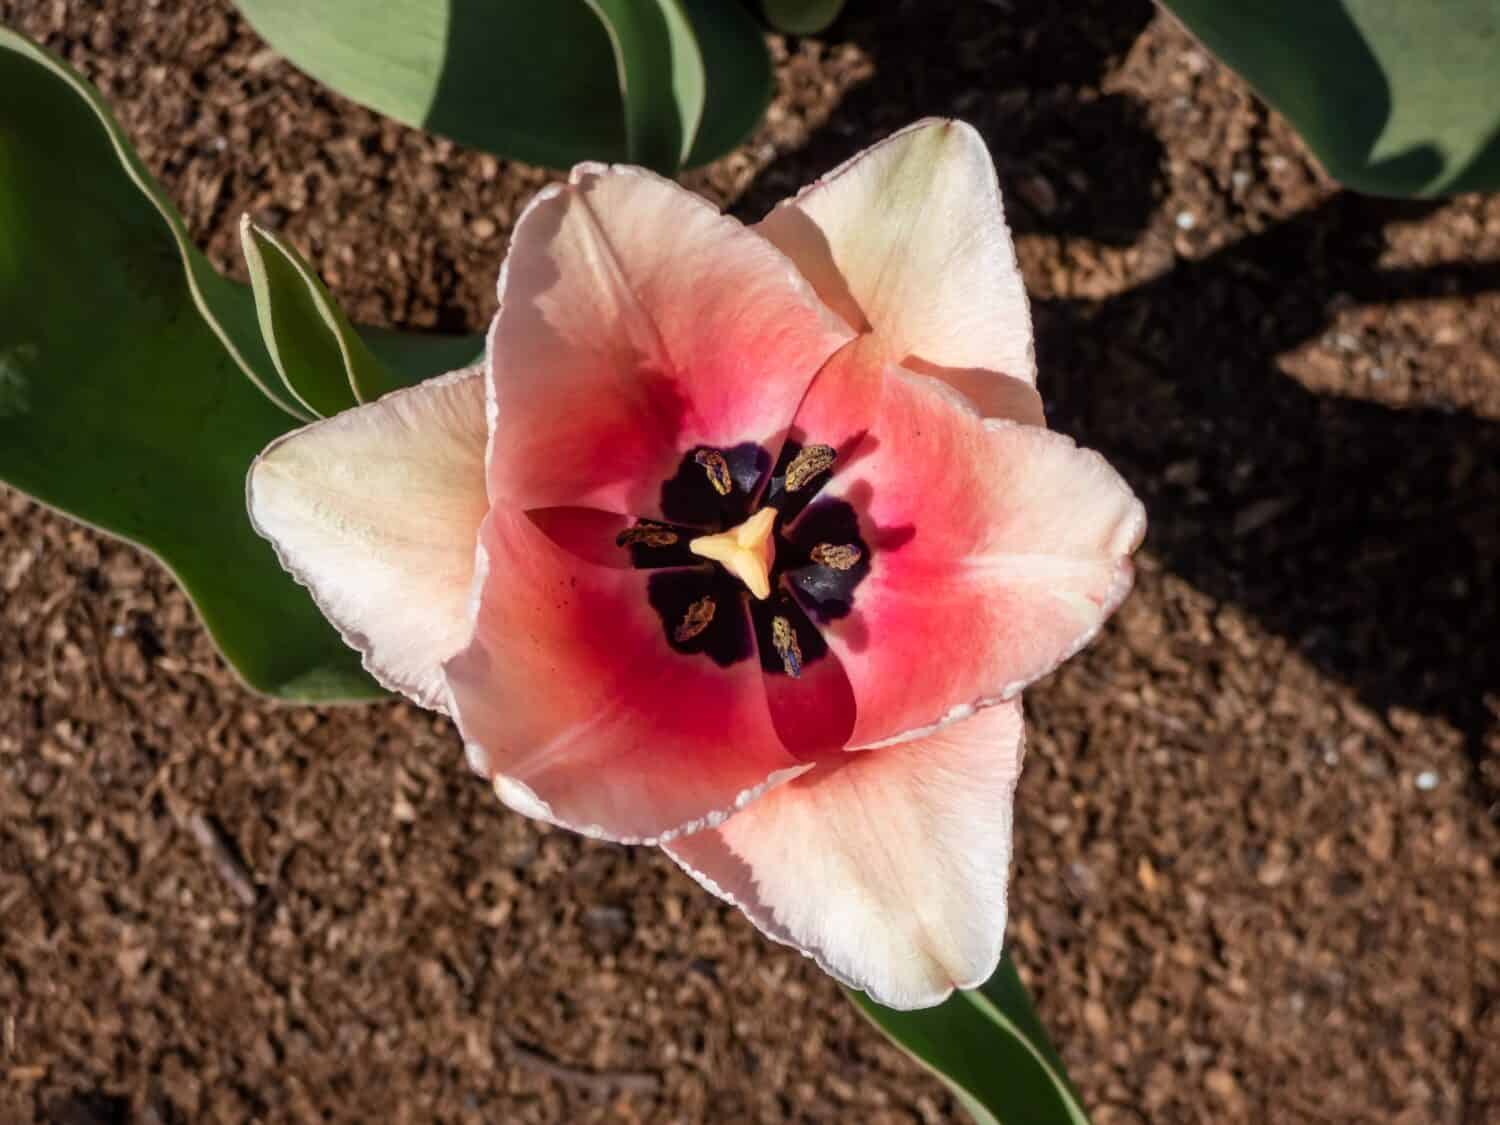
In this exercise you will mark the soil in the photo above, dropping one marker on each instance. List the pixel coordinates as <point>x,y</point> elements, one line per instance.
<point>1257,833</point>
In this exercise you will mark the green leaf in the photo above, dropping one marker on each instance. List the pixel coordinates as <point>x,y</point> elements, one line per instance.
<point>533,81</point>
<point>802,17</point>
<point>549,83</point>
<point>414,356</point>
<point>231,319</point>
<point>124,400</point>
<point>320,357</point>
<point>988,1046</point>
<point>1396,97</point>
<point>661,78</point>
<point>737,70</point>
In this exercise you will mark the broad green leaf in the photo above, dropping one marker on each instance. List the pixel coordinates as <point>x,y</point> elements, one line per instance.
<point>802,17</point>
<point>121,402</point>
<point>229,317</point>
<point>737,71</point>
<point>989,1047</point>
<point>1396,97</point>
<point>318,354</point>
<point>550,83</point>
<point>528,80</point>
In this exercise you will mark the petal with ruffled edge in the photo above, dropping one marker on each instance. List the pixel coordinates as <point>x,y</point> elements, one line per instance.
<point>888,866</point>
<point>570,698</point>
<point>908,241</point>
<point>636,322</point>
<point>376,511</point>
<point>996,550</point>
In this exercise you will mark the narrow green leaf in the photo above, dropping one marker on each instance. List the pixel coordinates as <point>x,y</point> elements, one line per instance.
<point>689,79</point>
<point>989,1047</point>
<point>661,78</point>
<point>802,17</point>
<point>1395,97</point>
<point>318,354</point>
<point>121,401</point>
<point>738,74</point>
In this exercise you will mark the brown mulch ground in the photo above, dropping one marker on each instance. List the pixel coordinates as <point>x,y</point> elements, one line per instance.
<point>1257,835</point>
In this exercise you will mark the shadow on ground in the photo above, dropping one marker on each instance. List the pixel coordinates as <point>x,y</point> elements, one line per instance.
<point>1072,158</point>
<point>1366,535</point>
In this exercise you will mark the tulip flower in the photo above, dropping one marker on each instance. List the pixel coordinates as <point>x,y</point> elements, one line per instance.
<point>742,541</point>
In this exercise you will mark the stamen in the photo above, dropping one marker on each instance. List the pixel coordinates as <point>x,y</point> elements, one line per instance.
<point>808,463</point>
<point>717,469</point>
<point>845,556</point>
<point>646,534</point>
<point>785,640</point>
<point>698,617</point>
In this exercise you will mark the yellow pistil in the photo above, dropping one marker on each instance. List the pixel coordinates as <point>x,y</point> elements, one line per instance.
<point>746,551</point>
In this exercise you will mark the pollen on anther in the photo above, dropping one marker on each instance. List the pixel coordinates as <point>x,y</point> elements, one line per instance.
<point>717,469</point>
<point>784,637</point>
<point>647,535</point>
<point>844,556</point>
<point>809,462</point>
<point>698,617</point>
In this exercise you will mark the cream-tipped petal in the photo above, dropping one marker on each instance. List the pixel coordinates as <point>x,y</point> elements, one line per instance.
<point>908,241</point>
<point>887,866</point>
<point>375,511</point>
<point>637,324</point>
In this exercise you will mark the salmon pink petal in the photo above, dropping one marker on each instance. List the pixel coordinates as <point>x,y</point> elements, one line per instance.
<point>375,511</point>
<point>636,323</point>
<point>571,699</point>
<point>887,866</point>
<point>991,551</point>
<point>908,240</point>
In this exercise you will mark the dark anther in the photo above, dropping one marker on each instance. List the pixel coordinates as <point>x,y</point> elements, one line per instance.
<point>702,612</point>
<point>698,617</point>
<point>816,546</point>
<point>784,637</point>
<point>717,469</point>
<point>646,534</point>
<point>842,557</point>
<point>812,460</point>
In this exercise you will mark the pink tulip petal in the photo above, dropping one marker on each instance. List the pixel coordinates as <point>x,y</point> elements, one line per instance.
<point>571,698</point>
<point>996,550</point>
<point>992,394</point>
<point>888,867</point>
<point>908,240</point>
<point>635,324</point>
<point>375,511</point>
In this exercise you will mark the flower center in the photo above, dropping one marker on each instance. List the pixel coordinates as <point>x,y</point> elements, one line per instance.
<point>747,551</point>
<point>746,558</point>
